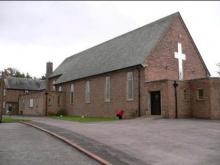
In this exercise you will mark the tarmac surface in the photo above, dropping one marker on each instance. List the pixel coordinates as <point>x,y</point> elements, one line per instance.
<point>152,142</point>
<point>23,145</point>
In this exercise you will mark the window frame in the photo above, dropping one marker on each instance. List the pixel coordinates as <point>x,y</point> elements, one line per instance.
<point>53,86</point>
<point>49,100</point>
<point>198,94</point>
<point>60,88</point>
<point>71,93</point>
<point>3,106</point>
<point>58,100</point>
<point>31,103</point>
<point>132,86</point>
<point>107,90</point>
<point>87,92</point>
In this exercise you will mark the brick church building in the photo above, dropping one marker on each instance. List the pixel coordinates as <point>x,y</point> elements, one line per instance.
<point>153,70</point>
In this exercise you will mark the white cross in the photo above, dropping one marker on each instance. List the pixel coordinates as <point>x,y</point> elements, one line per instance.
<point>180,56</point>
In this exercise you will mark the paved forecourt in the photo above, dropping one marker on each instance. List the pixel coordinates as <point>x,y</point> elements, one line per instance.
<point>159,142</point>
<point>20,144</point>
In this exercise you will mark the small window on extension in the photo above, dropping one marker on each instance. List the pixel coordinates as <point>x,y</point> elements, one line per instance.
<point>200,94</point>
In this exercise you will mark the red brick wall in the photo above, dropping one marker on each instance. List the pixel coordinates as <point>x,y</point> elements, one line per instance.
<point>215,98</point>
<point>157,86</point>
<point>183,103</point>
<point>52,102</point>
<point>38,108</point>
<point>50,83</point>
<point>200,107</point>
<point>98,106</point>
<point>161,63</point>
<point>209,106</point>
<point>12,95</point>
<point>167,93</point>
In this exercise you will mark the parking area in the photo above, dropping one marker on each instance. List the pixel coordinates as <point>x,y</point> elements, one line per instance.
<point>162,141</point>
<point>23,145</point>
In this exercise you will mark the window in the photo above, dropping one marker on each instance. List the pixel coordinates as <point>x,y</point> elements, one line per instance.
<point>21,104</point>
<point>107,89</point>
<point>200,94</point>
<point>130,86</point>
<point>4,92</point>
<point>54,87</point>
<point>58,100</point>
<point>71,93</point>
<point>31,104</point>
<point>36,102</point>
<point>87,92</point>
<point>60,88</point>
<point>26,91</point>
<point>49,101</point>
<point>3,104</point>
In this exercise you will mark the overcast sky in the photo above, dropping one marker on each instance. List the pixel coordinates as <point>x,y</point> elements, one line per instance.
<point>32,33</point>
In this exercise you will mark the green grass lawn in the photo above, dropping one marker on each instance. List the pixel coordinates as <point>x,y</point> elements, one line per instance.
<point>8,119</point>
<point>83,119</point>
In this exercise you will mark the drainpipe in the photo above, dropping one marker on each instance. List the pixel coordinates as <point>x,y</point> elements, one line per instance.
<point>175,85</point>
<point>139,92</point>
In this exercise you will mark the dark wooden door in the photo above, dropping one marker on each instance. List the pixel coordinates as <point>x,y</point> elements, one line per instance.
<point>155,103</point>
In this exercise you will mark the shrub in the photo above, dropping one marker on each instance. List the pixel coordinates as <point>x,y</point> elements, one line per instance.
<point>51,113</point>
<point>61,111</point>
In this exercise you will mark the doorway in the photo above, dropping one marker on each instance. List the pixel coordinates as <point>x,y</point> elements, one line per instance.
<point>155,103</point>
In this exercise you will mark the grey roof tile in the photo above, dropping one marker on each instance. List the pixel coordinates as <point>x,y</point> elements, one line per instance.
<point>127,50</point>
<point>24,83</point>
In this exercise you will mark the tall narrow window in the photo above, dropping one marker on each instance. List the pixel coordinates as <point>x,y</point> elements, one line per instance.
<point>71,93</point>
<point>31,103</point>
<point>185,94</point>
<point>36,102</point>
<point>21,104</point>
<point>3,104</point>
<point>54,87</point>
<point>60,88</point>
<point>87,92</point>
<point>49,101</point>
<point>107,89</point>
<point>130,93</point>
<point>58,100</point>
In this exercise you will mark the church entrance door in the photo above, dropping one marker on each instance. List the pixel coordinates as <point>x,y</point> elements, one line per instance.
<point>155,103</point>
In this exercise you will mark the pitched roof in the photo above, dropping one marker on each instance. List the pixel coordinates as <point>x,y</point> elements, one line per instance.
<point>127,50</point>
<point>24,83</point>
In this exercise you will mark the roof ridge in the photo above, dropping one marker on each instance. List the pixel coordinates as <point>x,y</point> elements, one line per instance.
<point>126,50</point>
<point>131,31</point>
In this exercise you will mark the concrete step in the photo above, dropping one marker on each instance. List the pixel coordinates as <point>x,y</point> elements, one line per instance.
<point>154,117</point>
